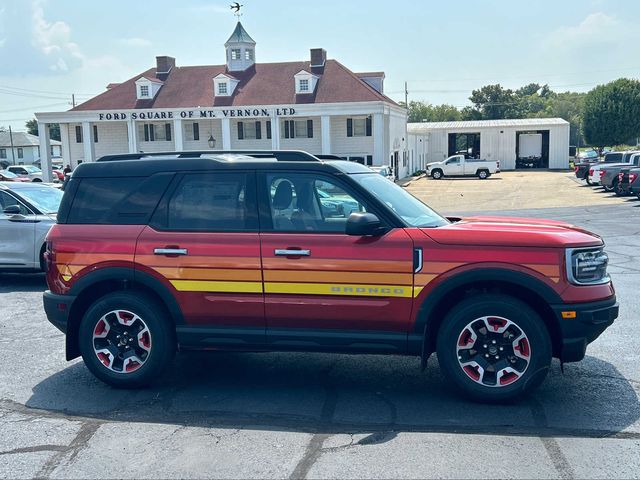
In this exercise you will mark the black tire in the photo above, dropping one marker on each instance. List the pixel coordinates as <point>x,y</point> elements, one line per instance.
<point>483,174</point>
<point>37,179</point>
<point>43,265</point>
<point>589,182</point>
<point>616,188</point>
<point>526,321</point>
<point>162,343</point>
<point>437,174</point>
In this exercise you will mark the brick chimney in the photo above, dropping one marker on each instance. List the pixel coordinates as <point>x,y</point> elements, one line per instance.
<point>318,57</point>
<point>164,64</point>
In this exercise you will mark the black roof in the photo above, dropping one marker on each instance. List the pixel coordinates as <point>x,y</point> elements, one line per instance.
<point>145,164</point>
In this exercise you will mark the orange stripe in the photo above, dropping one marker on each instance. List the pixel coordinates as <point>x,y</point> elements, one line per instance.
<point>547,270</point>
<point>439,267</point>
<point>424,278</point>
<point>210,274</point>
<point>199,261</point>
<point>332,264</point>
<point>90,258</point>
<point>337,277</point>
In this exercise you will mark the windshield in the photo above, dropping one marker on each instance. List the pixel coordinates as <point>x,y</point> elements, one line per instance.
<point>46,199</point>
<point>412,210</point>
<point>32,169</point>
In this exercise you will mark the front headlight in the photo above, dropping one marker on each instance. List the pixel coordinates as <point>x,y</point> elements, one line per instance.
<point>587,266</point>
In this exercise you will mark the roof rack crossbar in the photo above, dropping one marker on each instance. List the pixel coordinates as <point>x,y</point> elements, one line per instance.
<point>280,155</point>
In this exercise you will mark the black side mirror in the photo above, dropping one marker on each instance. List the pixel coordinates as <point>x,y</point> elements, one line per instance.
<point>363,224</point>
<point>12,210</point>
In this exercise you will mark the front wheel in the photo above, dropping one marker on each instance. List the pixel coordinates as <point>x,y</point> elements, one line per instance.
<point>37,180</point>
<point>126,339</point>
<point>436,174</point>
<point>494,348</point>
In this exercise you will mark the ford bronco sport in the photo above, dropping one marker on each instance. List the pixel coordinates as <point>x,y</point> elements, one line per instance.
<point>155,253</point>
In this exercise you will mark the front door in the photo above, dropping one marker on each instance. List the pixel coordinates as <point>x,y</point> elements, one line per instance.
<point>17,235</point>
<point>325,289</point>
<point>203,244</point>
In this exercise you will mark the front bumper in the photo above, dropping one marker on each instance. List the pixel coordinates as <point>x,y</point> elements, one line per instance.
<point>591,319</point>
<point>57,308</point>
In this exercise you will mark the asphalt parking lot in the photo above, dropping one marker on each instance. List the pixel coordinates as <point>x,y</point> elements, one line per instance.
<point>290,415</point>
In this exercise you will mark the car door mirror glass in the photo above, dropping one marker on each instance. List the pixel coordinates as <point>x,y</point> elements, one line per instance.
<point>363,224</point>
<point>12,210</point>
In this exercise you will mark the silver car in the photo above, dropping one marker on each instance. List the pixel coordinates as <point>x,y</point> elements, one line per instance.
<point>27,211</point>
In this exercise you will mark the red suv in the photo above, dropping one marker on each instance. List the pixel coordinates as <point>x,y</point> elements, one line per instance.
<point>155,253</point>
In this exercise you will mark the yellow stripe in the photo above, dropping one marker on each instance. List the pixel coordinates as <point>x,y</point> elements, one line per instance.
<point>359,290</point>
<point>225,287</point>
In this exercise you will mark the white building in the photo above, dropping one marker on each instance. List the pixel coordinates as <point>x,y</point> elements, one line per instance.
<point>317,105</point>
<point>490,140</point>
<point>22,148</point>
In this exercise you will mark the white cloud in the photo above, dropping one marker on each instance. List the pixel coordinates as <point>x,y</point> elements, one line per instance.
<point>596,29</point>
<point>136,42</point>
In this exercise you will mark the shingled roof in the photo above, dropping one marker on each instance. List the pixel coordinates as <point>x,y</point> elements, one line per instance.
<point>261,84</point>
<point>22,139</point>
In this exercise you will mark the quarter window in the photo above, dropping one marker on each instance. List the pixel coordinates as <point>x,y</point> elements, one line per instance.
<point>210,202</point>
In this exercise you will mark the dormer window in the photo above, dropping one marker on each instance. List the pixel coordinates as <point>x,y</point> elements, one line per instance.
<point>304,85</point>
<point>222,88</point>
<point>224,85</point>
<point>236,54</point>
<point>305,82</point>
<point>147,88</point>
<point>144,90</point>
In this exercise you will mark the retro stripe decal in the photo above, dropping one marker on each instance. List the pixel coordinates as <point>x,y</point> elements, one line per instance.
<point>219,287</point>
<point>359,290</point>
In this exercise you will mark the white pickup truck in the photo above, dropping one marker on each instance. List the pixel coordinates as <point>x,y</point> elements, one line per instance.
<point>457,165</point>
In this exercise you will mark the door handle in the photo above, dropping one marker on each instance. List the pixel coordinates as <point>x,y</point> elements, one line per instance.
<point>285,252</point>
<point>170,251</point>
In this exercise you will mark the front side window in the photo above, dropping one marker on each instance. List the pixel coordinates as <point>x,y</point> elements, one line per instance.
<point>7,200</point>
<point>222,88</point>
<point>144,90</point>
<point>309,203</point>
<point>211,202</point>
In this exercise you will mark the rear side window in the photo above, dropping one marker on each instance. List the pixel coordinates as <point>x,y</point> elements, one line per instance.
<point>613,157</point>
<point>214,202</point>
<point>118,201</point>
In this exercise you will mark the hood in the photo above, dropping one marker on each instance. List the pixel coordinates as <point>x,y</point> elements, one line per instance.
<point>513,232</point>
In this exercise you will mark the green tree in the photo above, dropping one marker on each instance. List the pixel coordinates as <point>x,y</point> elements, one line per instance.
<point>54,129</point>
<point>425,112</point>
<point>611,113</point>
<point>494,102</point>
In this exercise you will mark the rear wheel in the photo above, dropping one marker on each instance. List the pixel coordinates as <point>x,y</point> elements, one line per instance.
<point>37,179</point>
<point>483,174</point>
<point>436,174</point>
<point>617,188</point>
<point>494,348</point>
<point>126,339</point>
<point>589,182</point>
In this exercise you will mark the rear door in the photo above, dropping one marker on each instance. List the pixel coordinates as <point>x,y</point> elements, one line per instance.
<point>203,244</point>
<point>325,289</point>
<point>17,234</point>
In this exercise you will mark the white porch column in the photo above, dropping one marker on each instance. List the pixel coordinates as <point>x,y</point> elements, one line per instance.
<point>226,134</point>
<point>378,139</point>
<point>87,143</point>
<point>132,135</point>
<point>66,147</point>
<point>275,133</point>
<point>45,152</point>
<point>325,124</point>
<point>177,134</point>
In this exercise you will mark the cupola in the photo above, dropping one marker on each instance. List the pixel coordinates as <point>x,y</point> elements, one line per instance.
<point>241,50</point>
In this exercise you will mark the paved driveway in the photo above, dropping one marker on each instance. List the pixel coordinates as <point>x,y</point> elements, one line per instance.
<point>281,415</point>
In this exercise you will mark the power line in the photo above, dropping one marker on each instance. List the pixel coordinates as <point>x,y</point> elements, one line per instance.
<point>46,91</point>
<point>29,108</point>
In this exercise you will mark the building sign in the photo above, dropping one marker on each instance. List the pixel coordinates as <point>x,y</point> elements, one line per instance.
<point>196,114</point>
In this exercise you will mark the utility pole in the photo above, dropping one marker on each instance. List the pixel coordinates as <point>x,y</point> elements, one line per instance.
<point>13,154</point>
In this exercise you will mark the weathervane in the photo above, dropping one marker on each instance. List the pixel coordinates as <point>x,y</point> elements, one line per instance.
<point>236,7</point>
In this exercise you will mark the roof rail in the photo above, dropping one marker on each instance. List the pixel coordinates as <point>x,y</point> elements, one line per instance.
<point>280,155</point>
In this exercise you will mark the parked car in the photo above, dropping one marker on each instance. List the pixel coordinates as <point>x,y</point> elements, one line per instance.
<point>27,211</point>
<point>457,165</point>
<point>7,176</point>
<point>34,174</point>
<point>609,174</point>
<point>634,182</point>
<point>386,171</point>
<point>155,252</point>
<point>587,155</point>
<point>612,158</point>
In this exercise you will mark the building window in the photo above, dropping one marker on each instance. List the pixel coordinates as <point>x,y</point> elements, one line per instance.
<point>369,160</point>
<point>359,127</point>
<point>222,88</point>
<point>20,153</point>
<point>95,134</point>
<point>196,131</point>
<point>251,130</point>
<point>298,129</point>
<point>144,90</point>
<point>248,54</point>
<point>78,134</point>
<point>304,85</point>
<point>235,54</point>
<point>3,153</point>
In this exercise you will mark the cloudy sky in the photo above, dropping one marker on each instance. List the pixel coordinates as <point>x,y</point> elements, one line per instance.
<point>50,49</point>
